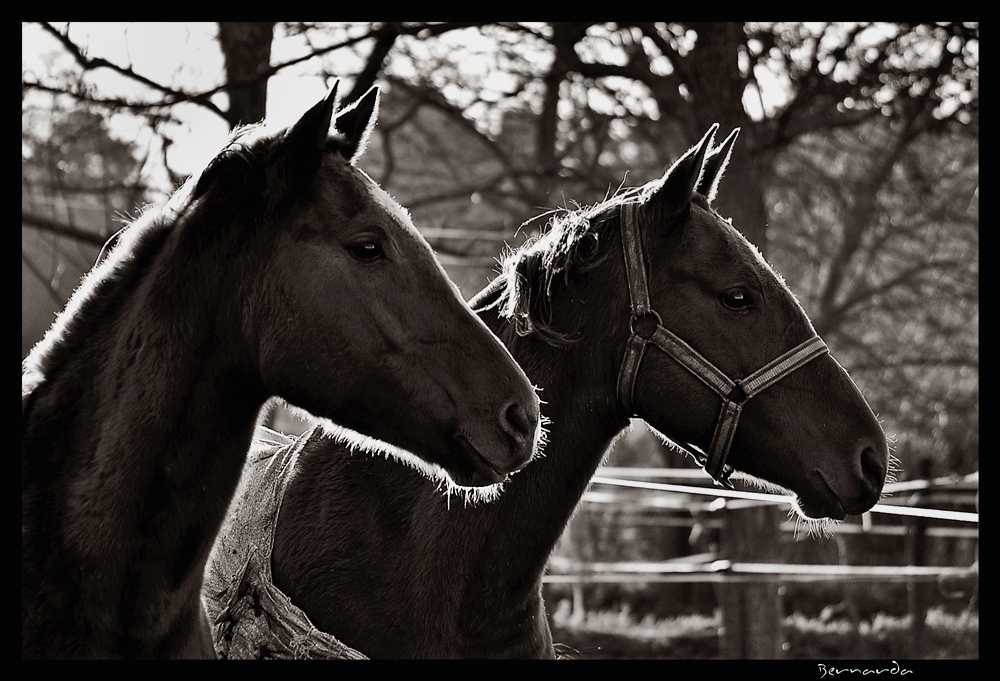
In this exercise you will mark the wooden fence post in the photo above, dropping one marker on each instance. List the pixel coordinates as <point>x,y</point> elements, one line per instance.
<point>917,591</point>
<point>917,549</point>
<point>751,612</point>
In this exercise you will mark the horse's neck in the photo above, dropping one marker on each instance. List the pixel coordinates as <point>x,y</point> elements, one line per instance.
<point>153,447</point>
<point>402,533</point>
<point>185,407</point>
<point>580,405</point>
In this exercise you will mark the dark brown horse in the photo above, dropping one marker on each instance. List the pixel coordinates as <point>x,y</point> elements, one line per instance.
<point>283,270</point>
<point>649,304</point>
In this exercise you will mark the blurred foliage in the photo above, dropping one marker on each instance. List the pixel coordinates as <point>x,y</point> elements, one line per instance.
<point>888,271</point>
<point>77,183</point>
<point>619,634</point>
<point>77,155</point>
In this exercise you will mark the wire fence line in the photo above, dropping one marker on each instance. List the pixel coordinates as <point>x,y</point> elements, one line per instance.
<point>724,571</point>
<point>750,593</point>
<point>885,508</point>
<point>707,568</point>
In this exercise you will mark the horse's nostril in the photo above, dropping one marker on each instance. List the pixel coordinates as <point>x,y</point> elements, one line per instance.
<point>873,467</point>
<point>517,423</point>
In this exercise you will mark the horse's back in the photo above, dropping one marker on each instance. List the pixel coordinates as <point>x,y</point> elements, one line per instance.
<point>353,525</point>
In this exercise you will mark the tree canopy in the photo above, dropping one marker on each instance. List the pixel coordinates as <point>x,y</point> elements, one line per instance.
<point>856,171</point>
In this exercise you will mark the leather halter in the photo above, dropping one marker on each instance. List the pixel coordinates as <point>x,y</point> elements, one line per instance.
<point>734,394</point>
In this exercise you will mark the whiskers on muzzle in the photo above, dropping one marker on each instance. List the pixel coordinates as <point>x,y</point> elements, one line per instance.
<point>816,528</point>
<point>893,469</point>
<point>804,525</point>
<point>473,496</point>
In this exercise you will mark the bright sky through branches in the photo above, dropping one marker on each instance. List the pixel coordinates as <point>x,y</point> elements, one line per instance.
<point>181,55</point>
<point>186,56</point>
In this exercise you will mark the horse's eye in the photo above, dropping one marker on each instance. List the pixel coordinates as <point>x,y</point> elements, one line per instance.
<point>366,251</point>
<point>737,299</point>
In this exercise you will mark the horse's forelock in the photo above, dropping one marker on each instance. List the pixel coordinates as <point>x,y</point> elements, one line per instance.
<point>336,142</point>
<point>238,153</point>
<point>253,164</point>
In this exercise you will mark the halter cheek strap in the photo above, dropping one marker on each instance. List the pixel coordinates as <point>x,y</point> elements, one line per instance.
<point>646,327</point>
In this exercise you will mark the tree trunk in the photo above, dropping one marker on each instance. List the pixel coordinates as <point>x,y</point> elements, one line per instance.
<point>565,36</point>
<point>717,86</point>
<point>385,39</point>
<point>246,48</point>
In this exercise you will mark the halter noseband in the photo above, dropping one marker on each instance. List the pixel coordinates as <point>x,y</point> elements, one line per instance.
<point>733,393</point>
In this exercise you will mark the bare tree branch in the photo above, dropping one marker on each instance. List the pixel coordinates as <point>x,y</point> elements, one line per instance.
<point>61,229</point>
<point>43,280</point>
<point>172,96</point>
<point>434,98</point>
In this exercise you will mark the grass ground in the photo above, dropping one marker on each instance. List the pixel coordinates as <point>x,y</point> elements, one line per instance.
<point>620,635</point>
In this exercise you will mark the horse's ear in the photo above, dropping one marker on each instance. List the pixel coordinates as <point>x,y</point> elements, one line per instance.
<point>307,138</point>
<point>681,181</point>
<point>715,166</point>
<point>305,141</point>
<point>356,122</point>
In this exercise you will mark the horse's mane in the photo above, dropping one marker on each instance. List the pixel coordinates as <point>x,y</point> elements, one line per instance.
<point>532,274</point>
<point>98,297</point>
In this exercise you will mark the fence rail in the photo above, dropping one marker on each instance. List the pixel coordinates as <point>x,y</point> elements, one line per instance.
<point>722,571</point>
<point>686,569</point>
<point>749,522</point>
<point>886,508</point>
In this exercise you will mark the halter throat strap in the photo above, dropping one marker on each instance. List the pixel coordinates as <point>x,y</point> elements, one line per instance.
<point>646,328</point>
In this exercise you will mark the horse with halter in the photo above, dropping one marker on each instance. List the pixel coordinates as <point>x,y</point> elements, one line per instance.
<point>280,270</point>
<point>647,305</point>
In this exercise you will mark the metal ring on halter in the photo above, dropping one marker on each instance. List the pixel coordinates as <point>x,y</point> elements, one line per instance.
<point>738,394</point>
<point>650,313</point>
